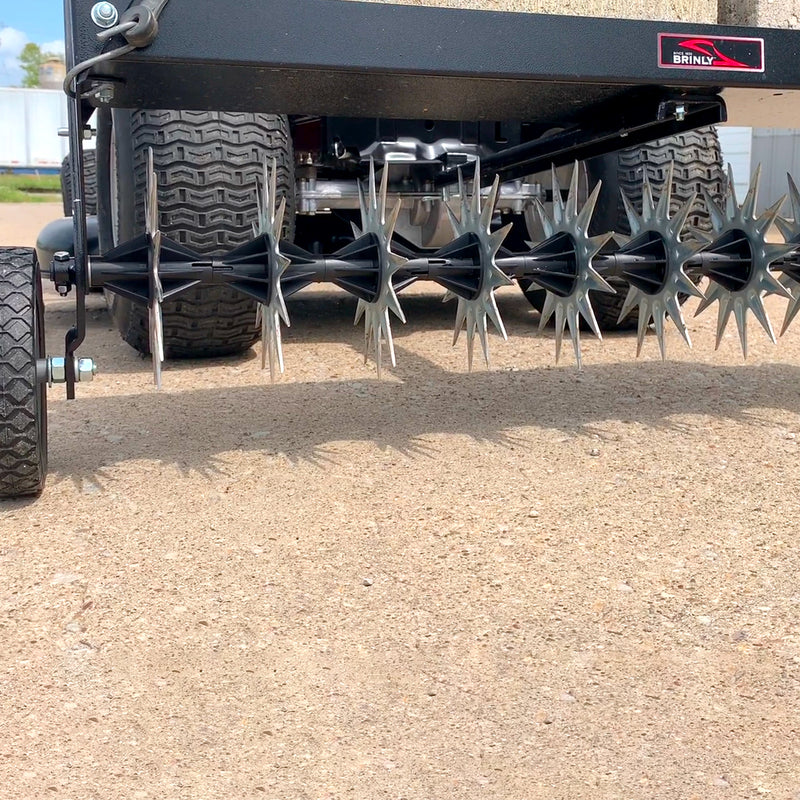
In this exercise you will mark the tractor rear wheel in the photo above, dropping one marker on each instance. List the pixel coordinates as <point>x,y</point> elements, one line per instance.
<point>89,182</point>
<point>208,165</point>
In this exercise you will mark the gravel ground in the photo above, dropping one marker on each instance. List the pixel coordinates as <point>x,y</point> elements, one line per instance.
<point>523,583</point>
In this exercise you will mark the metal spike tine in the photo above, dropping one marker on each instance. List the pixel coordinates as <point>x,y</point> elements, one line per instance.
<point>549,307</point>
<point>572,197</point>
<point>476,191</point>
<point>628,304</point>
<point>483,335</point>
<point>791,312</point>
<point>558,200</point>
<point>641,326</point>
<point>373,197</point>
<point>544,218</point>
<point>678,222</point>
<point>730,194</point>
<point>391,222</point>
<point>630,212</point>
<point>491,202</point>
<point>470,347</point>
<point>717,214</point>
<point>362,204</point>
<point>279,216</point>
<point>794,196</point>
<point>648,206</point>
<point>561,321</point>
<point>770,216</point>
<point>575,334</point>
<point>750,201</point>
<point>462,192</point>
<point>273,200</point>
<point>384,192</point>
<point>665,200</point>
<point>661,334</point>
<point>760,313</point>
<point>740,312</point>
<point>584,219</point>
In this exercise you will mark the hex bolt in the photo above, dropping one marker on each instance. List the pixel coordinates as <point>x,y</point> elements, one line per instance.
<point>680,112</point>
<point>104,93</point>
<point>105,15</point>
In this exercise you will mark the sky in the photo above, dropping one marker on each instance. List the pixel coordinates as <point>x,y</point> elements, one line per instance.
<point>23,21</point>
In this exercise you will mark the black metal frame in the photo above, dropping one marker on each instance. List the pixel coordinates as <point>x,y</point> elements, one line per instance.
<point>596,79</point>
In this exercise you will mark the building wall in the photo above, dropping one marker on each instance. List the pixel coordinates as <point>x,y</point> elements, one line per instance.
<point>764,13</point>
<point>683,10</point>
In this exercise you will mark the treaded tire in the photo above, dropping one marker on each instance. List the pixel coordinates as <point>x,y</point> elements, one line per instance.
<point>89,179</point>
<point>208,165</point>
<point>23,400</point>
<point>698,165</point>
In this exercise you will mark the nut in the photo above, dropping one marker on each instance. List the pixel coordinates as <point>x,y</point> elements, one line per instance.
<point>58,371</point>
<point>105,15</point>
<point>86,370</point>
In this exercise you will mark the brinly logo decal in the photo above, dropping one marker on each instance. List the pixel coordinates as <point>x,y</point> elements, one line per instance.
<point>728,53</point>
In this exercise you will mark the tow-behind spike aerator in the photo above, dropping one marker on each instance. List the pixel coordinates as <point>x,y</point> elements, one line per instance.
<point>657,262</point>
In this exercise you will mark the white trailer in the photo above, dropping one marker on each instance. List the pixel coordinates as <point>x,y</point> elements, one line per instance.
<point>29,123</point>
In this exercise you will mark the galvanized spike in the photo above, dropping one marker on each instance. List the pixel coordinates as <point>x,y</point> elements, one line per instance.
<point>271,314</point>
<point>156,291</point>
<point>376,221</point>
<point>791,229</point>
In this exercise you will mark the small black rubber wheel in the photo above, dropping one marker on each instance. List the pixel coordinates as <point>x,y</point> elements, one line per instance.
<point>208,165</point>
<point>89,180</point>
<point>23,398</point>
<point>698,165</point>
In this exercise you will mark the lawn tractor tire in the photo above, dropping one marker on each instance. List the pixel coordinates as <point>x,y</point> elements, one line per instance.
<point>89,182</point>
<point>697,160</point>
<point>23,397</point>
<point>208,165</point>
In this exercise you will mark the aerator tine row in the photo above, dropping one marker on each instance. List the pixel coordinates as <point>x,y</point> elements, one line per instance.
<point>660,263</point>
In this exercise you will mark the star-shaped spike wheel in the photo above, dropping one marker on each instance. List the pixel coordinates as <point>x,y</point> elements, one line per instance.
<point>376,221</point>
<point>569,308</point>
<point>791,232</point>
<point>155,289</point>
<point>474,313</point>
<point>270,314</point>
<point>657,301</point>
<point>740,221</point>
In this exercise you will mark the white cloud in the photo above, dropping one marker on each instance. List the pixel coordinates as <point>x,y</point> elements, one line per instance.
<point>56,46</point>
<point>11,43</point>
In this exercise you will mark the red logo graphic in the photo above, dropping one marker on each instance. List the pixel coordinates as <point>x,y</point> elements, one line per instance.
<point>707,48</point>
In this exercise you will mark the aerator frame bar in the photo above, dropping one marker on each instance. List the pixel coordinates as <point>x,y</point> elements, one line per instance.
<point>604,83</point>
<point>330,57</point>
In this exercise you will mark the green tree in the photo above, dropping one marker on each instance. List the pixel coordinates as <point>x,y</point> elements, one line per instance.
<point>30,59</point>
